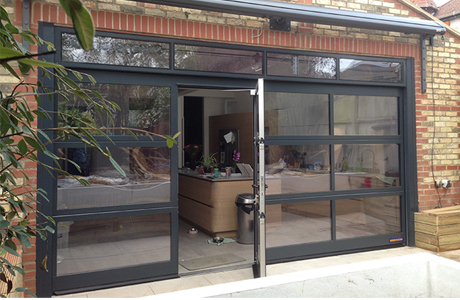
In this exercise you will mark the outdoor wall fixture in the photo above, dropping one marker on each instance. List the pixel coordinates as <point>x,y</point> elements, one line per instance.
<point>423,38</point>
<point>280,24</point>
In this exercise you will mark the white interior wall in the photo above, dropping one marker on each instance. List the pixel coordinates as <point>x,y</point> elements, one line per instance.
<point>244,100</point>
<point>212,107</point>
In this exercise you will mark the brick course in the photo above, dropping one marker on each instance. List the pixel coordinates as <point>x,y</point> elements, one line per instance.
<point>437,110</point>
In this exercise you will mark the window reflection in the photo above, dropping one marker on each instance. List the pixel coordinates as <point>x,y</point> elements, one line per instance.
<point>367,216</point>
<point>146,108</point>
<point>297,169</point>
<point>116,51</point>
<point>367,70</point>
<point>104,244</point>
<point>365,115</point>
<point>298,223</point>
<point>301,66</point>
<point>213,59</point>
<point>147,170</point>
<point>366,166</point>
<point>296,114</point>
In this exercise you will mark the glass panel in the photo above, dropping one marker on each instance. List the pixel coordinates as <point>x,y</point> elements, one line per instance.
<point>145,108</point>
<point>367,216</point>
<point>298,223</point>
<point>298,169</point>
<point>365,115</point>
<point>301,65</point>
<point>366,166</point>
<point>221,60</point>
<point>148,177</point>
<point>116,51</point>
<point>104,244</point>
<point>366,70</point>
<point>296,114</point>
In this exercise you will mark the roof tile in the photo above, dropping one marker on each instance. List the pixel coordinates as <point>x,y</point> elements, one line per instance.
<point>450,8</point>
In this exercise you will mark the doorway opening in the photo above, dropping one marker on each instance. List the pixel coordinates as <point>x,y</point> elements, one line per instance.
<point>193,129</point>
<point>215,123</point>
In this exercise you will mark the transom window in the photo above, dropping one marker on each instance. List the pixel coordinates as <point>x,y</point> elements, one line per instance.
<point>156,53</point>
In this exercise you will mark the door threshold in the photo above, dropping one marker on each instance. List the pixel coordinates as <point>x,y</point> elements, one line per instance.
<point>216,270</point>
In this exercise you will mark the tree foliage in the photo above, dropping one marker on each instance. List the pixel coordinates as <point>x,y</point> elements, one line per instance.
<point>21,140</point>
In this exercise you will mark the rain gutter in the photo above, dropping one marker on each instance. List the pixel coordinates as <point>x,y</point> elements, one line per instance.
<point>312,14</point>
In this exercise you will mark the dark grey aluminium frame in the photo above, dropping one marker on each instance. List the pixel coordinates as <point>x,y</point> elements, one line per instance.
<point>335,246</point>
<point>48,283</point>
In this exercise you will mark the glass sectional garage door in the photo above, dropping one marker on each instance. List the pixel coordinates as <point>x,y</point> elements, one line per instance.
<point>116,229</point>
<point>339,147</point>
<point>332,163</point>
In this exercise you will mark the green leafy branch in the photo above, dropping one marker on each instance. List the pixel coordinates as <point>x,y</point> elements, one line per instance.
<point>20,140</point>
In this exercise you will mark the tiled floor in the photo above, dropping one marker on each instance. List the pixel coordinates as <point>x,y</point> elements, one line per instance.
<point>188,282</point>
<point>193,246</point>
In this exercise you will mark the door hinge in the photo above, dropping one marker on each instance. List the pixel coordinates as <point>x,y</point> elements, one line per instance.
<point>260,140</point>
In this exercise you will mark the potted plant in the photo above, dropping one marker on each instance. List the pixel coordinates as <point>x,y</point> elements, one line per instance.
<point>236,159</point>
<point>192,151</point>
<point>208,163</point>
<point>298,158</point>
